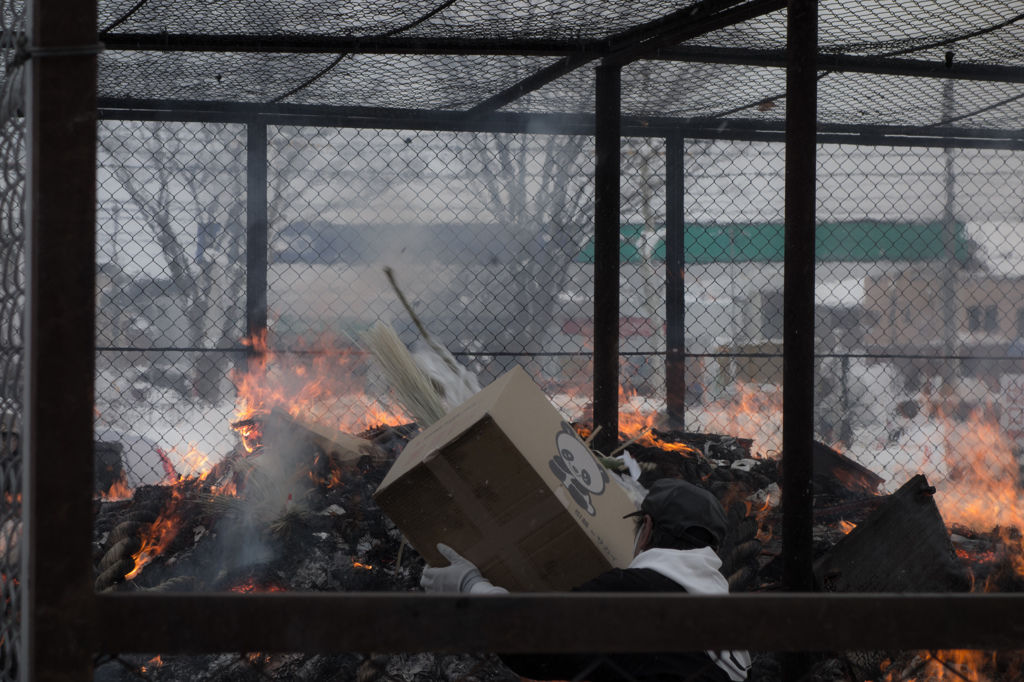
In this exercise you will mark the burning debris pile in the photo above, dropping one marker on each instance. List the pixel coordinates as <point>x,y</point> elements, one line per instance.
<point>295,517</point>
<point>292,509</point>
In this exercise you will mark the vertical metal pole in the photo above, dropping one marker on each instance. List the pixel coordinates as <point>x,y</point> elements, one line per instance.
<point>845,429</point>
<point>59,599</point>
<point>675,285</point>
<point>256,234</point>
<point>798,316</point>
<point>607,171</point>
<point>950,367</point>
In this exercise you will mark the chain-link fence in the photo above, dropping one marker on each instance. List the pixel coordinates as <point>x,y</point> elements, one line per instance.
<point>919,296</point>
<point>12,305</point>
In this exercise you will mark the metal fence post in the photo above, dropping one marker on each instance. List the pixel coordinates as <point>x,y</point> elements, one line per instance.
<point>607,183</point>
<point>59,603</point>
<point>256,233</point>
<point>950,370</point>
<point>798,316</point>
<point>675,285</point>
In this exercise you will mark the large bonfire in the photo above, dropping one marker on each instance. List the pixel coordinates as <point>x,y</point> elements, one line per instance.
<point>290,508</point>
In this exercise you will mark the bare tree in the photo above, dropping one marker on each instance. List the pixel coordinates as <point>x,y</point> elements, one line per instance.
<point>651,234</point>
<point>535,186</point>
<point>185,184</point>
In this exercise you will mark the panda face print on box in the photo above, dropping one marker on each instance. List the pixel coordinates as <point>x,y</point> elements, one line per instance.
<point>581,474</point>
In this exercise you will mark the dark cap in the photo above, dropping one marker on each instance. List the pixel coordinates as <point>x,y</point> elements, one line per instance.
<point>676,506</point>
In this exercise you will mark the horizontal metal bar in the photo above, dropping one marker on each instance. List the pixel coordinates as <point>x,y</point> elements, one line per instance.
<point>894,66</point>
<point>170,349</point>
<point>689,23</point>
<point>334,44</point>
<point>683,24</point>
<point>559,354</point>
<point>587,49</point>
<point>551,124</point>
<point>323,623</point>
<point>352,117</point>
<point>875,139</point>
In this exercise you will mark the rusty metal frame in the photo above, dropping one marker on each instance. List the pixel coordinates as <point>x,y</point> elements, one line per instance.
<point>553,124</point>
<point>57,606</point>
<point>607,204</point>
<point>341,623</point>
<point>66,622</point>
<point>798,316</point>
<point>690,22</point>
<point>675,286</point>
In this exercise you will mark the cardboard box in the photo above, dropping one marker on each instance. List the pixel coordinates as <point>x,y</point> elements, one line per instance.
<point>507,483</point>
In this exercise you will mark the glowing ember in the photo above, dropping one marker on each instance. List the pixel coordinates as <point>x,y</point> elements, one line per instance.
<point>251,432</point>
<point>948,664</point>
<point>252,585</point>
<point>155,662</point>
<point>356,564</point>
<point>846,526</point>
<point>326,472</point>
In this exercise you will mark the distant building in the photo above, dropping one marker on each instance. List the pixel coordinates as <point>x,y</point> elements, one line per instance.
<point>906,314</point>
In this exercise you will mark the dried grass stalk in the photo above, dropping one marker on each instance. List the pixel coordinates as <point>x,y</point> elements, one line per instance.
<point>289,522</point>
<point>414,390</point>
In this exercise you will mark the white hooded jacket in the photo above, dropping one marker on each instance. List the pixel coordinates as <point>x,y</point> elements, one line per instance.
<point>697,571</point>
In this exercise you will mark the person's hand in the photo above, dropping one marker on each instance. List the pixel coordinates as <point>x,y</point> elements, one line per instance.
<point>459,576</point>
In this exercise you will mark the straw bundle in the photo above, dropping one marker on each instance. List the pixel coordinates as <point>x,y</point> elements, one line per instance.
<point>453,382</point>
<point>412,387</point>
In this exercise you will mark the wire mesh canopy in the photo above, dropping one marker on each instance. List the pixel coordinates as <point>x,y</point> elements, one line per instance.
<point>722,61</point>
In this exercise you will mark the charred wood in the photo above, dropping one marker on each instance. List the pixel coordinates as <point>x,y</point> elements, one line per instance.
<point>109,466</point>
<point>711,445</point>
<point>848,510</point>
<point>902,547</point>
<point>182,583</point>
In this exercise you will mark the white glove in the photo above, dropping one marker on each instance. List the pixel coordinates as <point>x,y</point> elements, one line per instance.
<point>459,576</point>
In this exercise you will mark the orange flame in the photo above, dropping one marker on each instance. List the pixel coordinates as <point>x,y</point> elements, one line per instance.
<point>982,490</point>
<point>637,425</point>
<point>195,463</point>
<point>846,526</point>
<point>160,534</point>
<point>155,662</point>
<point>749,413</point>
<point>316,382</point>
<point>961,665</point>
<point>326,472</point>
<point>119,490</point>
<point>356,564</point>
